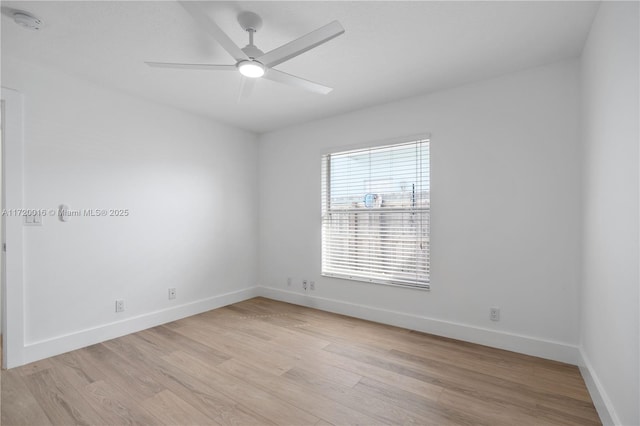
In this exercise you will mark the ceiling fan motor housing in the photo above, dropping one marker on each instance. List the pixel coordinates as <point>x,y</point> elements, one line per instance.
<point>250,21</point>
<point>252,51</point>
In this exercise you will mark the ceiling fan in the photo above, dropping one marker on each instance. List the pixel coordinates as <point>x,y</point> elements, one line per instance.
<point>252,62</point>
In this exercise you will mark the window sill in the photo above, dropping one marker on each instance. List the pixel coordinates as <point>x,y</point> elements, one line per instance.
<point>422,287</point>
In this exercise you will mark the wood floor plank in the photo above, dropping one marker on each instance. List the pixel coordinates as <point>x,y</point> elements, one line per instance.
<point>132,378</point>
<point>494,413</point>
<point>481,385</point>
<point>220,409</point>
<point>196,391</point>
<point>434,411</point>
<point>300,396</point>
<point>236,347</point>
<point>169,409</point>
<point>62,403</point>
<point>114,406</point>
<point>34,367</point>
<point>380,409</point>
<point>264,362</point>
<point>173,340</point>
<point>76,369</point>
<point>383,375</point>
<point>331,373</point>
<point>19,406</point>
<point>546,393</point>
<point>272,407</point>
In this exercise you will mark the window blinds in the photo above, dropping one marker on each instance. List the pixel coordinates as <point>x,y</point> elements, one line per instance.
<point>375,214</point>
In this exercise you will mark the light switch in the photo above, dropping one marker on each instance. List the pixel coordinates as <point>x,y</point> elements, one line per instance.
<point>33,220</point>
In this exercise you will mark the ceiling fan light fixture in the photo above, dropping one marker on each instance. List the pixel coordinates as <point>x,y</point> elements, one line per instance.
<point>251,69</point>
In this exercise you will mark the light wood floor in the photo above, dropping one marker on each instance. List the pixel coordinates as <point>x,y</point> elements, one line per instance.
<point>267,362</point>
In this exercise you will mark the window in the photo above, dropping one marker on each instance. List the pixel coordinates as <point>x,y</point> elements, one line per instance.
<point>375,214</point>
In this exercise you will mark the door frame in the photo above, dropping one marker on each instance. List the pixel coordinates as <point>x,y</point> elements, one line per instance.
<point>12,273</point>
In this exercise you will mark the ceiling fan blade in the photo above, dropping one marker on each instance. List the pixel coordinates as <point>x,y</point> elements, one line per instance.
<point>207,25</point>
<point>302,44</point>
<point>246,87</point>
<point>192,66</point>
<point>292,80</point>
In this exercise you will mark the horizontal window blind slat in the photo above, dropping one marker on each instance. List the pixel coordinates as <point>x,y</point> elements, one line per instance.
<point>405,265</point>
<point>378,257</point>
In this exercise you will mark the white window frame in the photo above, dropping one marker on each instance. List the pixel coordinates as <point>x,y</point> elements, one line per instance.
<point>328,268</point>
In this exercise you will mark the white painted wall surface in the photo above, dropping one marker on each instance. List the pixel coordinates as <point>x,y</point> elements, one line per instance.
<point>610,301</point>
<point>505,211</point>
<point>189,183</point>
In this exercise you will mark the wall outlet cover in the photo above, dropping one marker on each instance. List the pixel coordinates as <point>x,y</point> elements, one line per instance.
<point>494,314</point>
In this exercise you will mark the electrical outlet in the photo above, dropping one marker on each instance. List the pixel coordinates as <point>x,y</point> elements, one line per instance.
<point>312,285</point>
<point>172,293</point>
<point>494,314</point>
<point>289,282</point>
<point>304,284</point>
<point>119,305</point>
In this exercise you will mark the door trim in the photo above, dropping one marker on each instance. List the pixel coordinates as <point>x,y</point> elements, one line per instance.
<point>12,280</point>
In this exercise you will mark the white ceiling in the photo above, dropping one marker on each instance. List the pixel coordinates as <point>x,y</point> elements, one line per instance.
<point>390,50</point>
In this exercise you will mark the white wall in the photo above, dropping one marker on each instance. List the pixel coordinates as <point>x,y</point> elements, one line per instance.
<point>505,211</point>
<point>189,183</point>
<point>610,300</point>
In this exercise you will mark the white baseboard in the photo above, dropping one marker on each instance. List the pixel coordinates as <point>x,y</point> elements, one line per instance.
<point>80,339</point>
<point>599,397</point>
<point>508,341</point>
<point>556,351</point>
